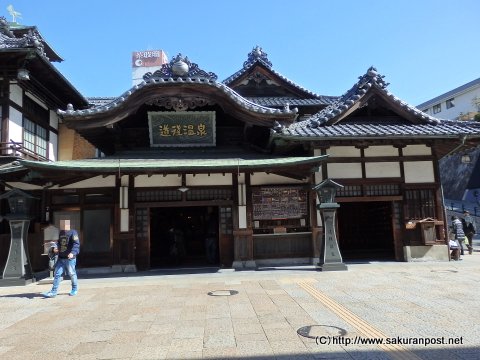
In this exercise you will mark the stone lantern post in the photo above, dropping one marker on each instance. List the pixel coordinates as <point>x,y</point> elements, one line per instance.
<point>330,257</point>
<point>18,268</point>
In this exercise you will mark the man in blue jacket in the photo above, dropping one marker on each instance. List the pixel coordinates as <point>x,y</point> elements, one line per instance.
<point>68,247</point>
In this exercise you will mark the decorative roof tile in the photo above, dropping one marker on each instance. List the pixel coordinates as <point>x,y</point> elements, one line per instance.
<point>334,112</point>
<point>443,129</point>
<point>258,56</point>
<point>180,66</point>
<point>179,71</point>
<point>32,39</point>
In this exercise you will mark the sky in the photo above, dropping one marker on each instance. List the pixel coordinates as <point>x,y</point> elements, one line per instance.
<point>423,47</point>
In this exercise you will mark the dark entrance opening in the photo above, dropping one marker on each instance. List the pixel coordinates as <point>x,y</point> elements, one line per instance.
<point>184,236</point>
<point>365,231</point>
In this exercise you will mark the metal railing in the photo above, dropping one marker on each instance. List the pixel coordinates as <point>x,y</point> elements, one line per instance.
<point>17,149</point>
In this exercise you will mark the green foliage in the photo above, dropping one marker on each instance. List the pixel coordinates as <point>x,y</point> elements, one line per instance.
<point>477,117</point>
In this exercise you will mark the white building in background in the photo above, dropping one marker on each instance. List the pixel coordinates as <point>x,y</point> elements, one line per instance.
<point>146,61</point>
<point>461,103</point>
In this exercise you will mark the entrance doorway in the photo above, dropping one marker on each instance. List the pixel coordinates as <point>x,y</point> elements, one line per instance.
<point>184,236</point>
<point>365,231</point>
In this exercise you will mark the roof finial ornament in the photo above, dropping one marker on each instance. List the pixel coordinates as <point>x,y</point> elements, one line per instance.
<point>257,54</point>
<point>180,66</point>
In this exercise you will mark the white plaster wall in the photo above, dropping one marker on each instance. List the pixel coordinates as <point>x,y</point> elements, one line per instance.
<point>416,150</point>
<point>381,150</point>
<point>267,179</point>
<point>418,172</point>
<point>345,171</point>
<point>157,181</point>
<point>382,169</point>
<point>343,151</point>
<point>53,146</point>
<point>53,120</point>
<point>206,180</point>
<point>16,94</point>
<point>95,182</point>
<point>15,129</point>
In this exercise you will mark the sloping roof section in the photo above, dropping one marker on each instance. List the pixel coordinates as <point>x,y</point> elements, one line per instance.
<point>25,37</point>
<point>67,172</point>
<point>282,101</point>
<point>177,77</point>
<point>332,120</point>
<point>105,166</point>
<point>259,57</point>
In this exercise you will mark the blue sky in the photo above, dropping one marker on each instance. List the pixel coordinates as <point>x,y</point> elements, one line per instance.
<point>423,47</point>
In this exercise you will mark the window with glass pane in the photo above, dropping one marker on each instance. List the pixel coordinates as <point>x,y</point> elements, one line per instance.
<point>35,138</point>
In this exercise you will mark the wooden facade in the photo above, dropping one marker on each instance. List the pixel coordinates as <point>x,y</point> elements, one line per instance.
<point>186,158</point>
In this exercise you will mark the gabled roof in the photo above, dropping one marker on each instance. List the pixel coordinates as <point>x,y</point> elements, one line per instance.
<point>180,77</point>
<point>23,46</point>
<point>259,57</point>
<point>367,85</point>
<point>335,123</point>
<point>14,36</point>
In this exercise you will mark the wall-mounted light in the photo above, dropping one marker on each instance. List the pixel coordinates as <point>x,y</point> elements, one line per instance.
<point>183,189</point>
<point>23,74</point>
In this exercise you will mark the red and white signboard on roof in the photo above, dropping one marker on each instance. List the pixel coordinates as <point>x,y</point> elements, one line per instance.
<point>149,58</point>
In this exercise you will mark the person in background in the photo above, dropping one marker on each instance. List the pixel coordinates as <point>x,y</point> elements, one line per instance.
<point>68,247</point>
<point>457,229</point>
<point>469,229</point>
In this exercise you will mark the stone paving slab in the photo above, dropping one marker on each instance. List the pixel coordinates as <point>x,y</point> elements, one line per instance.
<point>155,316</point>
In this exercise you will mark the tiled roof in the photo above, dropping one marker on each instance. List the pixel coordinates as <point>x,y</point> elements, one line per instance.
<point>32,39</point>
<point>105,107</point>
<point>330,121</point>
<point>442,129</point>
<point>179,71</point>
<point>258,56</point>
<point>282,101</point>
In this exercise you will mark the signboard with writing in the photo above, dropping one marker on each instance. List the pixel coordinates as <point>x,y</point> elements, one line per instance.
<point>149,58</point>
<point>270,203</point>
<point>181,128</point>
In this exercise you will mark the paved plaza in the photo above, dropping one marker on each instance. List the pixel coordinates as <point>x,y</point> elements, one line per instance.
<point>377,310</point>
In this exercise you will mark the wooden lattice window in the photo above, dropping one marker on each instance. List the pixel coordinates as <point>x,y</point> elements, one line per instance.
<point>420,204</point>
<point>158,195</point>
<point>209,194</point>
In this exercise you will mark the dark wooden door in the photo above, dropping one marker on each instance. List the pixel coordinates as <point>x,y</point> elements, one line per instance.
<point>225,238</point>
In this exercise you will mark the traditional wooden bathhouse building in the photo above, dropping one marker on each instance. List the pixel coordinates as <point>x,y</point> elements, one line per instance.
<point>193,170</point>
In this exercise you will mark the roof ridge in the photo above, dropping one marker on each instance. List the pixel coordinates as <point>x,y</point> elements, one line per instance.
<point>370,79</point>
<point>258,55</point>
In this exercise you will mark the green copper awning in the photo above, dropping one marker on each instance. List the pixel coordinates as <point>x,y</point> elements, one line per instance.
<point>108,165</point>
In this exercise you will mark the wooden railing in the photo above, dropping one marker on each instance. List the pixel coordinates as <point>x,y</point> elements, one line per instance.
<point>16,149</point>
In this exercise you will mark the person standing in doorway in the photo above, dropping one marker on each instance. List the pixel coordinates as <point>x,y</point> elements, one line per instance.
<point>68,247</point>
<point>469,229</point>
